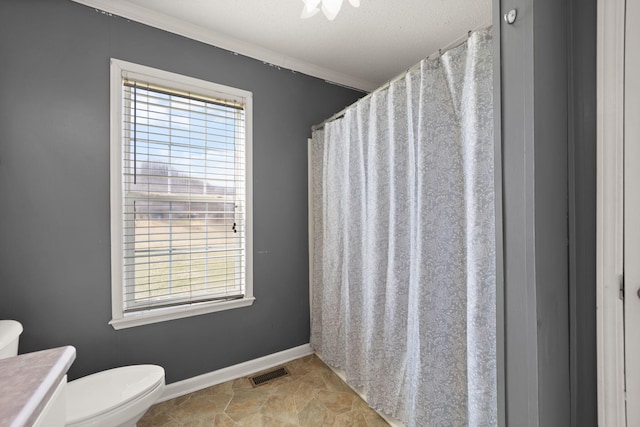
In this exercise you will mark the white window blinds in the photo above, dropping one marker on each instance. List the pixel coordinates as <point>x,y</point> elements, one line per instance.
<point>183,196</point>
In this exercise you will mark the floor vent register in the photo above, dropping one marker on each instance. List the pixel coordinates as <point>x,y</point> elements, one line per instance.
<point>264,378</point>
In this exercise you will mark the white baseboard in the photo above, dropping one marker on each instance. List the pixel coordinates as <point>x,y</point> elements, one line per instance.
<point>180,388</point>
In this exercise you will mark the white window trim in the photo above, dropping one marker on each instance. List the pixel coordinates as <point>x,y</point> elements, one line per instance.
<point>121,320</point>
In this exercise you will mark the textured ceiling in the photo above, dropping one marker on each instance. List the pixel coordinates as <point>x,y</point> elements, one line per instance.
<point>362,47</point>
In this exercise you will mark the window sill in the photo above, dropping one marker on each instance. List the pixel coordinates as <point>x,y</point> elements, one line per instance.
<point>157,315</point>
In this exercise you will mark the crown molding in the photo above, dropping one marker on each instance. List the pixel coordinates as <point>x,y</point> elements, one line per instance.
<point>174,25</point>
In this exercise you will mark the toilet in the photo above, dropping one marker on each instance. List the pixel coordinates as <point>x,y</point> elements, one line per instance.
<point>10,331</point>
<point>116,397</point>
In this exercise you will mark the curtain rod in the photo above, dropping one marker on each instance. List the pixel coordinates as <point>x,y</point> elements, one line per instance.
<point>457,42</point>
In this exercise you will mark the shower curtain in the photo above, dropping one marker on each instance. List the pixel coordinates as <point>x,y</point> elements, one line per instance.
<point>404,259</point>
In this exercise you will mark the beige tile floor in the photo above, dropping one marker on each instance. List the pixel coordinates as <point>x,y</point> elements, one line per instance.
<point>312,395</point>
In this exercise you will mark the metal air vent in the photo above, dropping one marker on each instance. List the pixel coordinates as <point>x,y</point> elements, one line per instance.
<point>268,376</point>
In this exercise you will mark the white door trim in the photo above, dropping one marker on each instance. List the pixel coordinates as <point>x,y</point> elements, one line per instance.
<point>610,174</point>
<point>631,207</point>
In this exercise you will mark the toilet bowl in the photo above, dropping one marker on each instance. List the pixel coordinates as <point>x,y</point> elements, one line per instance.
<point>116,397</point>
<point>10,331</point>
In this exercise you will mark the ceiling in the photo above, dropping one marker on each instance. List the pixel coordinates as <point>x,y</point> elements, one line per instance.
<point>362,48</point>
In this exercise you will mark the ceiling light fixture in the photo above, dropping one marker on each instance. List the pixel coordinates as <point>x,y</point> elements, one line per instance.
<point>330,8</point>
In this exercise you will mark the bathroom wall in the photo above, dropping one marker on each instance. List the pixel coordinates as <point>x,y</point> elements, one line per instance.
<point>582,213</point>
<point>54,190</point>
<point>547,95</point>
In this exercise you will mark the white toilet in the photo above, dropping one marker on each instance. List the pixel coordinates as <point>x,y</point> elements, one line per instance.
<point>10,331</point>
<point>117,397</point>
<point>114,398</point>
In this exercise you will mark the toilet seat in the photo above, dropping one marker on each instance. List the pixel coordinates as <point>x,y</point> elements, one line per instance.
<point>101,395</point>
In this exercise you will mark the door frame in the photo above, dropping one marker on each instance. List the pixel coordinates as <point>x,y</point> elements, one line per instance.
<point>610,205</point>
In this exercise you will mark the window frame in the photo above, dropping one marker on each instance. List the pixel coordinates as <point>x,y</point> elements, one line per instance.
<point>120,319</point>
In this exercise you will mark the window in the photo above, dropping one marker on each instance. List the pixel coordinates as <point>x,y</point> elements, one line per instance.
<point>180,196</point>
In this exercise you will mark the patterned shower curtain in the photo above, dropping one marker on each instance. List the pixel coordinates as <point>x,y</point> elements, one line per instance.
<point>404,259</point>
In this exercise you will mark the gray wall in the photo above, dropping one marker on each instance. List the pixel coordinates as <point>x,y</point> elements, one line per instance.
<point>529,200</point>
<point>548,105</point>
<point>54,191</point>
<point>582,212</point>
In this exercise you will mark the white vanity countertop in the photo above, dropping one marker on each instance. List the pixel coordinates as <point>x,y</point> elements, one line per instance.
<point>27,382</point>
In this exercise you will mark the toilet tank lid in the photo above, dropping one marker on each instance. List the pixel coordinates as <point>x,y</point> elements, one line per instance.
<point>104,391</point>
<point>9,331</point>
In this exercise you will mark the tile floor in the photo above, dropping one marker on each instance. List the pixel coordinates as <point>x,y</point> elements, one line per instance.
<point>312,395</point>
